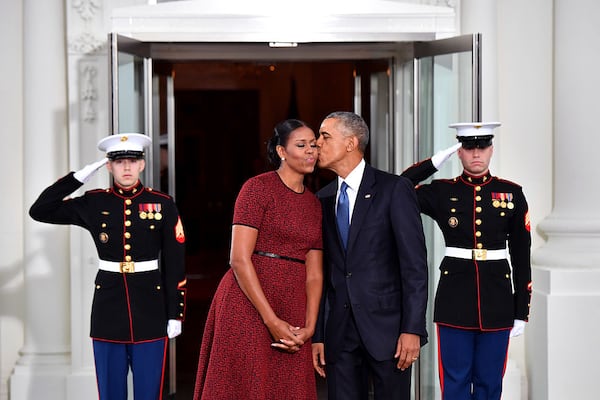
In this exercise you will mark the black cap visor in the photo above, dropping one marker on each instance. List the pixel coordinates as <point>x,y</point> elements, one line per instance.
<point>121,154</point>
<point>475,142</point>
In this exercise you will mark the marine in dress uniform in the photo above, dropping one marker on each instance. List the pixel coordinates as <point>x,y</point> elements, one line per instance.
<point>136,305</point>
<point>481,298</point>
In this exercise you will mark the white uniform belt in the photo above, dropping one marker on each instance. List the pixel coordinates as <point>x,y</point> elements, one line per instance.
<point>476,254</point>
<point>128,266</point>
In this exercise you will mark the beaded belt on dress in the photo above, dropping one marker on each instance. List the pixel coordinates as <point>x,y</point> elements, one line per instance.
<point>273,255</point>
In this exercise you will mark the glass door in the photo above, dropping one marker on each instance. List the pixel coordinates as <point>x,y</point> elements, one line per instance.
<point>436,83</point>
<point>137,107</point>
<point>131,95</point>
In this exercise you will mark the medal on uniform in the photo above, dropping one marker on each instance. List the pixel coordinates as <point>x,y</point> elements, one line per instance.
<point>496,199</point>
<point>143,215</point>
<point>103,236</point>
<point>150,215</point>
<point>453,222</point>
<point>510,204</point>
<point>158,216</point>
<point>503,204</point>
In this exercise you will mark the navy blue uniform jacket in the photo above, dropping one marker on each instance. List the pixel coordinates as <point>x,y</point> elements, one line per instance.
<point>127,307</point>
<point>479,213</point>
<point>382,278</point>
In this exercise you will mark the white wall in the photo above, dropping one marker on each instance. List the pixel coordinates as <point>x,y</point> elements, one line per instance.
<point>12,209</point>
<point>524,143</point>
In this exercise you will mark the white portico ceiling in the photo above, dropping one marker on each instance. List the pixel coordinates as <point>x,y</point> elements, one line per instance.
<point>284,21</point>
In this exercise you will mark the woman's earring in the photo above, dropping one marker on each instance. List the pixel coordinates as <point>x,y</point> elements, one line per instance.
<point>282,158</point>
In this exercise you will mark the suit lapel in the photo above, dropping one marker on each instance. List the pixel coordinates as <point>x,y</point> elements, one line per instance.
<point>364,198</point>
<point>328,198</point>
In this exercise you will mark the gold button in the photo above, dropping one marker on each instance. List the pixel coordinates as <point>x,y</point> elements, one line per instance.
<point>479,246</point>
<point>478,222</point>
<point>477,188</point>
<point>127,247</point>
<point>127,258</point>
<point>181,304</point>
<point>127,223</point>
<point>507,276</point>
<point>158,287</point>
<point>128,212</point>
<point>127,235</point>
<point>128,202</point>
<point>478,198</point>
<point>151,227</point>
<point>478,209</point>
<point>97,286</point>
<point>502,214</point>
<point>104,224</point>
<point>182,293</point>
<point>478,234</point>
<point>445,272</point>
<point>453,210</point>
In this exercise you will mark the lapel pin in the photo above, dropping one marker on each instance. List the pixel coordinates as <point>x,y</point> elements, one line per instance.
<point>367,196</point>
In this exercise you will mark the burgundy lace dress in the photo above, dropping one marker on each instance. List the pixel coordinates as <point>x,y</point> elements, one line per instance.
<point>236,359</point>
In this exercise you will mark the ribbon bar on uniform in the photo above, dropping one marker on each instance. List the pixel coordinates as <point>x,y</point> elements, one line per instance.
<point>476,254</point>
<point>128,266</point>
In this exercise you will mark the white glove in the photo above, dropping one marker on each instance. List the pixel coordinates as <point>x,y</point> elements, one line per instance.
<point>86,172</point>
<point>518,328</point>
<point>442,155</point>
<point>173,328</point>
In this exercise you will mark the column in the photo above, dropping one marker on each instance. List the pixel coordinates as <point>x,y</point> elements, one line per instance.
<point>480,16</point>
<point>45,357</point>
<point>562,345</point>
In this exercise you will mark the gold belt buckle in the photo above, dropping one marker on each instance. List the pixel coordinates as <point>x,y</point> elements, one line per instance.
<point>479,254</point>
<point>127,266</point>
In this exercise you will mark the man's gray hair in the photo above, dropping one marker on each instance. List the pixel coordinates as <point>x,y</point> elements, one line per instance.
<point>353,125</point>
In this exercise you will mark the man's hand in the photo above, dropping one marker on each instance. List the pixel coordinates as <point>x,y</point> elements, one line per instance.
<point>85,173</point>
<point>441,156</point>
<point>518,328</point>
<point>318,356</point>
<point>173,328</point>
<point>407,350</point>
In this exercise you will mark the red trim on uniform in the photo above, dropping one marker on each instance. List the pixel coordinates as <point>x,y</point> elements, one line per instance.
<point>505,358</point>
<point>473,328</point>
<point>164,363</point>
<point>126,341</point>
<point>128,305</point>
<point>440,363</point>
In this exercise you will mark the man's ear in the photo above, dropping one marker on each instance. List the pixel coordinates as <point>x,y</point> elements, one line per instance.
<point>142,164</point>
<point>352,144</point>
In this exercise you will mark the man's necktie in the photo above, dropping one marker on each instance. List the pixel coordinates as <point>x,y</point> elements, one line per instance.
<point>343,214</point>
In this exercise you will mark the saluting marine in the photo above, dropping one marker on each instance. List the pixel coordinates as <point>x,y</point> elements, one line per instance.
<point>136,305</point>
<point>481,299</point>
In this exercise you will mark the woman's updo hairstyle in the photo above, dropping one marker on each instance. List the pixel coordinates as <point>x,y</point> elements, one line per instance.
<point>280,137</point>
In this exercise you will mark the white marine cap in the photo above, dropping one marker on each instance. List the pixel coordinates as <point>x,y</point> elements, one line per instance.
<point>474,130</point>
<point>475,134</point>
<point>124,145</point>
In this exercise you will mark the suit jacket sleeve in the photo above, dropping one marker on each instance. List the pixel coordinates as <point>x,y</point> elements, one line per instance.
<point>412,254</point>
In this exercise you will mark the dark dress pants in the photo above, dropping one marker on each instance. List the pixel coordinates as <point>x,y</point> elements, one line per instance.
<point>349,376</point>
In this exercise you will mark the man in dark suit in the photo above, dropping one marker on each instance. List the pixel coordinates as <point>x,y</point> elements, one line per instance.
<point>372,320</point>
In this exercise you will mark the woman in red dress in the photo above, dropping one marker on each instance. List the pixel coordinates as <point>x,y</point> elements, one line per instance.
<point>256,343</point>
